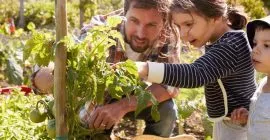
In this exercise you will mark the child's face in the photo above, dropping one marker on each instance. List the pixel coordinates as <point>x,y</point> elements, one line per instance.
<point>261,51</point>
<point>44,80</point>
<point>194,28</point>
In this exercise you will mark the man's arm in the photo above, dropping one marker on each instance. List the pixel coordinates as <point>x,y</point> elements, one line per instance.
<point>104,117</point>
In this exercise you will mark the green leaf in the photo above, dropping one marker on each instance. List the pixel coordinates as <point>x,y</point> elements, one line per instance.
<point>31,26</point>
<point>113,21</point>
<point>14,71</point>
<point>130,67</point>
<point>40,48</point>
<point>155,113</point>
<point>142,100</point>
<point>119,37</point>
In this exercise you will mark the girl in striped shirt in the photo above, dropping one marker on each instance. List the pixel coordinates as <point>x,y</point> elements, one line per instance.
<point>225,70</point>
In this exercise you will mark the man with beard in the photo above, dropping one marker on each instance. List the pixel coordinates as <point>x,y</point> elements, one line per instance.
<point>148,37</point>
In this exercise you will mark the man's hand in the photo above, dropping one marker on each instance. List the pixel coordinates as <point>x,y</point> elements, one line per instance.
<point>104,117</point>
<point>240,115</point>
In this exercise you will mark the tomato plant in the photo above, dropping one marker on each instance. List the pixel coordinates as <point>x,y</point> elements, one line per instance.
<point>89,75</point>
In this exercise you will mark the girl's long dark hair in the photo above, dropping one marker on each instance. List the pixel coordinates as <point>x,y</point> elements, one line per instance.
<point>212,9</point>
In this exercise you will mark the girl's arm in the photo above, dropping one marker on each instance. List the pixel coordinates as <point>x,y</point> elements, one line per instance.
<point>215,64</point>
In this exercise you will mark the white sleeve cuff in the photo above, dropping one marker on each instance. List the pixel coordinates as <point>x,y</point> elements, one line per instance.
<point>155,72</point>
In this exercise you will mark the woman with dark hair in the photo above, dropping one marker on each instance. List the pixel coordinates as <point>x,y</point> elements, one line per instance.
<point>225,70</point>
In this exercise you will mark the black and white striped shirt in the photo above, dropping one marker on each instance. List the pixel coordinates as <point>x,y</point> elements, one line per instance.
<point>227,59</point>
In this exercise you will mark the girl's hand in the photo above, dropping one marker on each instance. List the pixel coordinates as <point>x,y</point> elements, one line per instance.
<point>240,115</point>
<point>142,68</point>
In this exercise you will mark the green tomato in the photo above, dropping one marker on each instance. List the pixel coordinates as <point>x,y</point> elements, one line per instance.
<point>36,116</point>
<point>51,130</point>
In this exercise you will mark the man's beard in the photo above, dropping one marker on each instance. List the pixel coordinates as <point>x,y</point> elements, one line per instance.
<point>139,49</point>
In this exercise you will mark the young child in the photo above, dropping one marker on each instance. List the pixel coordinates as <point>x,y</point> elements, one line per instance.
<point>258,117</point>
<point>225,69</point>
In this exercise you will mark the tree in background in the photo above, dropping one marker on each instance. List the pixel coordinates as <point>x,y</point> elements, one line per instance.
<point>21,15</point>
<point>254,8</point>
<point>267,5</point>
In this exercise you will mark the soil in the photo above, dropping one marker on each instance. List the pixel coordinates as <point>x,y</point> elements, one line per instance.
<point>127,129</point>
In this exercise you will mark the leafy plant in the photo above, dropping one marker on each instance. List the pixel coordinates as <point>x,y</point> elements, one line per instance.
<point>89,76</point>
<point>10,59</point>
<point>14,116</point>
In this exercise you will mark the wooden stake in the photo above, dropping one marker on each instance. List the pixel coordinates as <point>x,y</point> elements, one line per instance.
<point>60,71</point>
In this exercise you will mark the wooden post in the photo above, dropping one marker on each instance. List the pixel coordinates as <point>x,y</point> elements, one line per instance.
<point>60,70</point>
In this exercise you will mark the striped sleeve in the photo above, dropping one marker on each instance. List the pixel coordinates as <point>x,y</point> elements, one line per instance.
<point>216,63</point>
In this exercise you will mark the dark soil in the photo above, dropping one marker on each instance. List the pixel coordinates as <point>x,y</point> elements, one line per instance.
<point>127,129</point>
